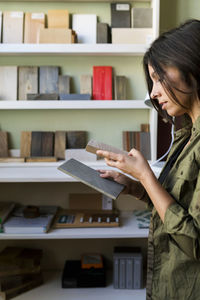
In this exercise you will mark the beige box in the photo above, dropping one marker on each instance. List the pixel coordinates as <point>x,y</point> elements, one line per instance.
<point>55,36</point>
<point>13,22</point>
<point>132,35</point>
<point>33,23</point>
<point>58,18</point>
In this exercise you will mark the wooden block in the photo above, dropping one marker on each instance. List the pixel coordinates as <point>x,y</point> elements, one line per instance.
<point>64,84</point>
<point>3,144</point>
<point>86,84</point>
<point>33,23</point>
<point>120,15</point>
<point>47,143</point>
<point>48,80</point>
<point>85,25</point>
<point>132,35</point>
<point>142,17</point>
<point>76,139</point>
<point>41,159</point>
<point>60,144</point>
<point>120,87</point>
<point>42,97</point>
<point>1,26</point>
<point>55,36</point>
<point>25,144</point>
<point>36,143</point>
<point>13,27</point>
<point>145,127</point>
<point>75,97</point>
<point>85,201</point>
<point>8,88</point>
<point>11,159</point>
<point>145,144</point>
<point>93,146</point>
<point>58,18</point>
<point>27,82</point>
<point>102,83</point>
<point>103,33</point>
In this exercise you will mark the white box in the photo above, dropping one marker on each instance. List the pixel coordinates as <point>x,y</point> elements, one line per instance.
<point>85,27</point>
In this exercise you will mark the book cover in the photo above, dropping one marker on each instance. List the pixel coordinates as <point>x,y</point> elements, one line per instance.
<point>102,83</point>
<point>91,178</point>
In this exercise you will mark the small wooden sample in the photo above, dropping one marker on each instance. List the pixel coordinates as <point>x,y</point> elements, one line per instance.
<point>25,144</point>
<point>86,84</point>
<point>145,144</point>
<point>56,36</point>
<point>120,15</point>
<point>142,17</point>
<point>58,18</point>
<point>8,88</point>
<point>77,218</point>
<point>27,82</point>
<point>3,144</point>
<point>76,139</point>
<point>64,84</point>
<point>75,96</point>
<point>102,83</point>
<point>33,23</point>
<point>41,159</point>
<point>42,96</point>
<point>103,33</point>
<point>12,159</point>
<point>93,146</point>
<point>132,35</point>
<point>48,80</point>
<point>91,178</point>
<point>145,127</point>
<point>47,143</point>
<point>60,144</point>
<point>0,26</point>
<point>85,25</point>
<point>36,143</point>
<point>13,22</point>
<point>120,87</point>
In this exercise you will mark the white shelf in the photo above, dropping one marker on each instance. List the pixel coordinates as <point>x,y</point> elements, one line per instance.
<point>51,290</point>
<point>73,49</point>
<point>128,229</point>
<point>76,104</point>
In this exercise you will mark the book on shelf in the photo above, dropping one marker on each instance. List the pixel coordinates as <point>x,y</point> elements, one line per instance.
<point>91,178</point>
<point>17,223</point>
<point>5,209</point>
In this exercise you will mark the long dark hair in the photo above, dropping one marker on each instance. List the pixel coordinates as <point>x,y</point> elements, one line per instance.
<point>180,48</point>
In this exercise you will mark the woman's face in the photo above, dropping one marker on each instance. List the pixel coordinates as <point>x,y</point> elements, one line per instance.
<point>164,99</point>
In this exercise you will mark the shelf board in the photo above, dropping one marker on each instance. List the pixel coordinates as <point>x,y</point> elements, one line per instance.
<point>128,229</point>
<point>51,290</point>
<point>75,104</point>
<point>73,49</point>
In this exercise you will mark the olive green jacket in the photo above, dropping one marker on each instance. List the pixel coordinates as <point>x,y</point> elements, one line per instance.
<point>174,246</point>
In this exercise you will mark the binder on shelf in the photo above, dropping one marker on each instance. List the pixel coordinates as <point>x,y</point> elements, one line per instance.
<point>33,23</point>
<point>85,26</point>
<point>48,80</point>
<point>8,88</point>
<point>3,144</point>
<point>132,36</point>
<point>27,81</point>
<point>142,17</point>
<point>13,22</point>
<point>56,36</point>
<point>102,83</point>
<point>122,273</point>
<point>120,15</point>
<point>58,18</point>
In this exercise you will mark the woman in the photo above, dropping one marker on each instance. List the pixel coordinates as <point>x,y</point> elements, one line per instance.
<point>172,69</point>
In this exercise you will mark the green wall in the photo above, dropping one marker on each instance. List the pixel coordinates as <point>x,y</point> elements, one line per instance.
<point>101,124</point>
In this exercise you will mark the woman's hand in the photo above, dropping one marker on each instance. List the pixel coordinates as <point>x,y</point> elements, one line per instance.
<point>133,164</point>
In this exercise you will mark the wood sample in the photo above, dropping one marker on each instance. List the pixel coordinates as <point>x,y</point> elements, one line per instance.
<point>145,127</point>
<point>75,96</point>
<point>120,87</point>
<point>33,23</point>
<point>64,84</point>
<point>85,26</point>
<point>41,159</point>
<point>58,18</point>
<point>142,17</point>
<point>102,83</point>
<point>103,33</point>
<point>36,143</point>
<point>0,26</point>
<point>8,88</point>
<point>12,159</point>
<point>47,143</point>
<point>25,144</point>
<point>132,35</point>
<point>13,22</point>
<point>42,96</point>
<point>85,201</point>
<point>145,144</point>
<point>60,144</point>
<point>86,84</point>
<point>91,178</point>
<point>56,36</point>
<point>27,82</point>
<point>3,144</point>
<point>120,15</point>
<point>48,80</point>
<point>93,146</point>
<point>76,139</point>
